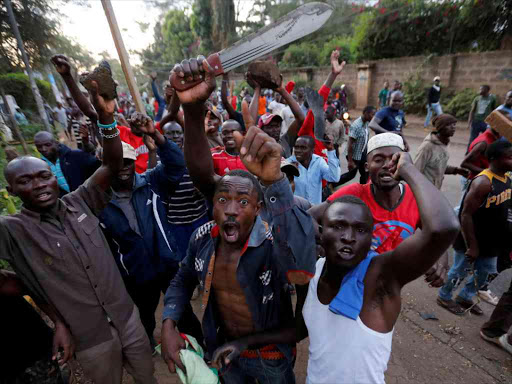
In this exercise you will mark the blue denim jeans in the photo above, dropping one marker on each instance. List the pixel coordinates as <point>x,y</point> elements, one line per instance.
<point>436,107</point>
<point>244,370</point>
<point>464,184</point>
<point>458,272</point>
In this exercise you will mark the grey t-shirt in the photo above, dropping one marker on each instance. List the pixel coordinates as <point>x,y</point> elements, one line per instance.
<point>124,201</point>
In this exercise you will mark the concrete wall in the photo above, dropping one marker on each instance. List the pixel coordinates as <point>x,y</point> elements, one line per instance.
<point>458,71</point>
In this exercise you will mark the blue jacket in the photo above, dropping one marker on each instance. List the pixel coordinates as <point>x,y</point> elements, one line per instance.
<point>154,251</point>
<point>76,165</point>
<point>272,257</point>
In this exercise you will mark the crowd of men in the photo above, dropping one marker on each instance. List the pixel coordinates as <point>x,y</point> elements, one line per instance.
<point>235,197</point>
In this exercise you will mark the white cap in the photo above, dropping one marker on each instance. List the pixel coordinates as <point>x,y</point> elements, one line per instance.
<point>437,78</point>
<point>388,139</point>
<point>129,152</point>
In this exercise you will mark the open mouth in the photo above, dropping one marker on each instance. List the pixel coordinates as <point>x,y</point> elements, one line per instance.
<point>44,196</point>
<point>231,232</point>
<point>386,177</point>
<point>230,143</point>
<point>346,253</point>
<point>123,176</point>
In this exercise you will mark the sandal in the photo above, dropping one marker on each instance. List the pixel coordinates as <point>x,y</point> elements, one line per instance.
<point>451,306</point>
<point>473,308</point>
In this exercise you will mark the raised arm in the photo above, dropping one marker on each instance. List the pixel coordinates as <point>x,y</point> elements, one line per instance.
<point>224,97</point>
<point>196,149</point>
<point>255,102</point>
<point>112,148</point>
<point>62,66</point>
<point>159,99</point>
<point>336,69</point>
<point>471,156</point>
<point>416,255</point>
<point>330,171</point>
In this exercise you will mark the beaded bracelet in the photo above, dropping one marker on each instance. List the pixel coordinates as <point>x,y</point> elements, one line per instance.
<point>107,126</point>
<point>109,136</point>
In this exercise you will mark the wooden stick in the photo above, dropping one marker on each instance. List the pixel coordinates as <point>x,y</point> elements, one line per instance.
<point>123,55</point>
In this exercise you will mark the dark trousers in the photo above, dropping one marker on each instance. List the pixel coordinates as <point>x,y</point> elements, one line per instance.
<point>501,318</point>
<point>346,177</point>
<point>147,296</point>
<point>477,127</point>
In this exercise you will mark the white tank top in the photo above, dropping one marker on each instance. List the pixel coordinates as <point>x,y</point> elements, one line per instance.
<point>342,350</point>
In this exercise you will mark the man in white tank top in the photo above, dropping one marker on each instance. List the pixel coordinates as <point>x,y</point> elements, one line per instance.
<point>355,348</point>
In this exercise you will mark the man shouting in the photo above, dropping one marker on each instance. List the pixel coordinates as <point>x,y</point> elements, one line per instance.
<point>244,265</point>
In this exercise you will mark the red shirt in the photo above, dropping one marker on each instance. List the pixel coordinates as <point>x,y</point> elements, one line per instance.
<point>390,228</point>
<point>126,135</point>
<point>223,162</point>
<point>481,161</point>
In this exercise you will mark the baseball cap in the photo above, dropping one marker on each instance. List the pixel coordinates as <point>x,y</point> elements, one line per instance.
<point>289,168</point>
<point>388,139</point>
<point>129,152</point>
<point>267,118</point>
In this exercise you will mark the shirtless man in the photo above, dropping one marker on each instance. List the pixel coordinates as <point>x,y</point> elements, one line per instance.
<point>353,301</point>
<point>243,265</point>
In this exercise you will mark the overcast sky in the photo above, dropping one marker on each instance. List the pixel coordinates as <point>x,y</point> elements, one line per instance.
<point>88,25</point>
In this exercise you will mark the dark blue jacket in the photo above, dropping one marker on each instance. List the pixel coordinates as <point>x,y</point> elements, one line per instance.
<point>144,256</point>
<point>76,165</point>
<point>272,257</point>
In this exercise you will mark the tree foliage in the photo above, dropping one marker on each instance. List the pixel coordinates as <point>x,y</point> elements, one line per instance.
<point>18,85</point>
<point>396,28</point>
<point>38,28</point>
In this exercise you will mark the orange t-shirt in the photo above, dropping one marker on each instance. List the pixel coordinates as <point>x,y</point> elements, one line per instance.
<point>262,105</point>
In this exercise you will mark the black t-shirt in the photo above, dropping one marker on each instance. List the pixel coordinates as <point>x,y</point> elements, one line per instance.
<point>491,222</point>
<point>25,336</point>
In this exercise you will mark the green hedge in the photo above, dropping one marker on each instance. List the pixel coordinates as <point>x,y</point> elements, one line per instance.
<point>18,85</point>
<point>460,105</point>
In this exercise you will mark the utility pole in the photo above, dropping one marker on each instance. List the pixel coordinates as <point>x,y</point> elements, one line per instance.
<point>14,123</point>
<point>33,85</point>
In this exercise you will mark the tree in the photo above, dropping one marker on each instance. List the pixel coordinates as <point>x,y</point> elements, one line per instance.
<point>395,28</point>
<point>79,57</point>
<point>215,23</point>
<point>177,36</point>
<point>37,21</point>
<point>201,24</point>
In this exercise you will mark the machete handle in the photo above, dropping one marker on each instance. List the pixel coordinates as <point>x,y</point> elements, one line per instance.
<point>181,85</point>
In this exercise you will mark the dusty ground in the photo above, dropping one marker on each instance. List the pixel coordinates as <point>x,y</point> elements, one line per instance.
<point>447,350</point>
